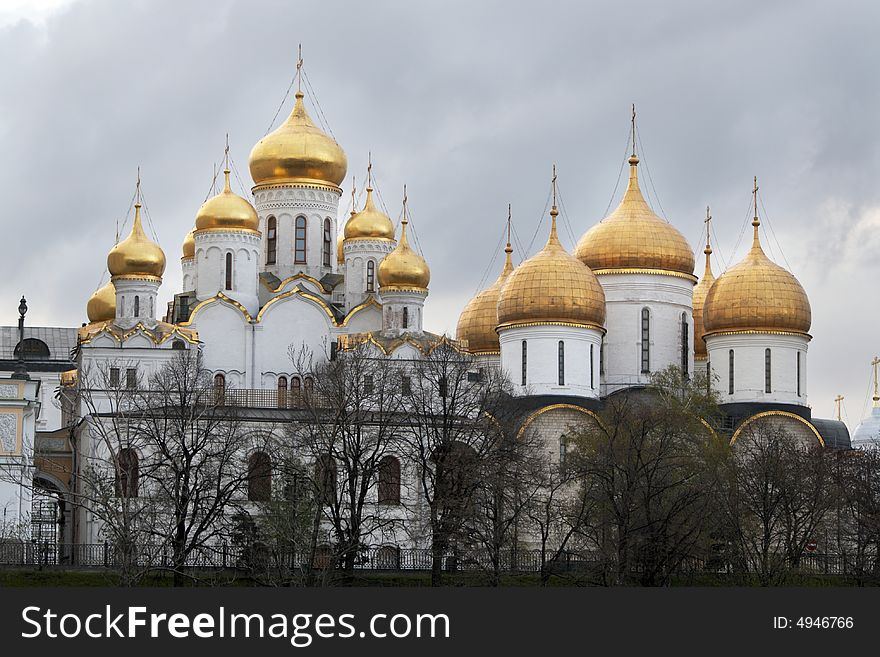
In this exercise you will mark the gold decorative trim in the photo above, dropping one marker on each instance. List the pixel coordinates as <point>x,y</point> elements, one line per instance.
<point>534,416</point>
<point>218,229</point>
<point>300,292</point>
<point>590,325</point>
<point>758,332</point>
<point>217,297</point>
<point>297,276</point>
<point>403,288</point>
<point>371,301</point>
<point>641,270</point>
<point>788,414</point>
<point>187,258</point>
<point>304,183</point>
<point>136,277</point>
<point>368,239</point>
<point>169,330</point>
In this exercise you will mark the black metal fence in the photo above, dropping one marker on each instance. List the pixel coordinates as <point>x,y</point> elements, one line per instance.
<point>384,558</point>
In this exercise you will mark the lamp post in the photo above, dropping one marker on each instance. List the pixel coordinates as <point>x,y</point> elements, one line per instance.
<point>20,372</point>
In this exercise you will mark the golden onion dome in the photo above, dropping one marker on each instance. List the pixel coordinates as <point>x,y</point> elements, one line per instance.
<point>552,286</point>
<point>137,254</point>
<point>298,151</point>
<point>369,222</point>
<point>340,251</point>
<point>700,291</point>
<point>478,320</point>
<point>189,245</point>
<point>756,294</point>
<point>227,211</point>
<point>633,237</point>
<point>403,268</point>
<point>102,304</point>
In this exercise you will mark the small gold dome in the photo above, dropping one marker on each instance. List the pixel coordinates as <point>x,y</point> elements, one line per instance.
<point>227,211</point>
<point>633,237</point>
<point>478,320</point>
<point>189,245</point>
<point>403,268</point>
<point>137,254</point>
<point>369,222</point>
<point>340,251</point>
<point>298,151</point>
<point>756,294</point>
<point>102,304</point>
<point>700,291</point>
<point>552,286</point>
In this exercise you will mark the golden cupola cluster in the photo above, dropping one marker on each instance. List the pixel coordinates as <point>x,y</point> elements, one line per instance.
<point>137,255</point>
<point>189,245</point>
<point>369,223</point>
<point>298,151</point>
<point>477,322</point>
<point>226,211</point>
<point>552,286</point>
<point>403,269</point>
<point>102,304</point>
<point>758,295</point>
<point>634,237</point>
<point>700,291</point>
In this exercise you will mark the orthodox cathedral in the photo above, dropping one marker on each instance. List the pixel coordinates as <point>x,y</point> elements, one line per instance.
<point>282,268</point>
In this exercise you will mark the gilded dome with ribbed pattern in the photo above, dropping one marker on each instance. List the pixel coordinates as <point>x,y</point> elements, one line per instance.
<point>102,304</point>
<point>756,294</point>
<point>137,254</point>
<point>227,211</point>
<point>369,222</point>
<point>633,237</point>
<point>403,268</point>
<point>552,286</point>
<point>701,289</point>
<point>298,151</point>
<point>478,320</point>
<point>189,245</point>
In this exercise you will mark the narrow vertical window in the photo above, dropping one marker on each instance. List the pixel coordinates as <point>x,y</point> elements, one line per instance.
<point>259,477</point>
<point>389,481</point>
<point>368,384</point>
<point>563,450</point>
<point>299,241</point>
<point>219,388</point>
<point>602,356</point>
<point>406,317</point>
<point>327,248</point>
<point>730,373</point>
<point>561,364</point>
<point>798,374</point>
<point>228,271</point>
<point>646,340</point>
<point>271,240</point>
<point>525,357</point>
<point>371,276</point>
<point>685,346</point>
<point>309,384</point>
<point>708,377</point>
<point>137,306</point>
<point>296,389</point>
<point>131,378</point>
<point>767,379</point>
<point>282,392</point>
<point>592,370</point>
<point>114,377</point>
<point>127,472</point>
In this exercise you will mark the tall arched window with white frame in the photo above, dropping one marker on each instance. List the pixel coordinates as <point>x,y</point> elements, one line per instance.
<point>525,360</point>
<point>228,282</point>
<point>646,340</point>
<point>561,364</point>
<point>371,276</point>
<point>328,245</point>
<point>271,240</point>
<point>299,241</point>
<point>768,381</point>
<point>730,372</point>
<point>685,346</point>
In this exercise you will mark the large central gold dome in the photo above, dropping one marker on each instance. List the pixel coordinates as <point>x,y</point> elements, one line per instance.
<point>478,320</point>
<point>298,151</point>
<point>757,295</point>
<point>137,254</point>
<point>633,237</point>
<point>552,286</point>
<point>226,211</point>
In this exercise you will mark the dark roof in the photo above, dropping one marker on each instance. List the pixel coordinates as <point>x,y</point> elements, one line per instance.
<point>60,340</point>
<point>833,432</point>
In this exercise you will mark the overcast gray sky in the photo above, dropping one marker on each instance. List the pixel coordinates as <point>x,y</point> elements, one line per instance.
<point>469,103</point>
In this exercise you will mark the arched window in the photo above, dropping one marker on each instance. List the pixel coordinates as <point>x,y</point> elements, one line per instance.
<point>228,271</point>
<point>525,357</point>
<point>592,370</point>
<point>389,481</point>
<point>31,349</point>
<point>327,247</point>
<point>730,373</point>
<point>767,380</point>
<point>282,392</point>
<point>299,241</point>
<point>127,473</point>
<point>271,240</point>
<point>561,363</point>
<point>405,317</point>
<point>798,374</point>
<point>259,480</point>
<point>646,340</point>
<point>296,388</point>
<point>178,345</point>
<point>309,384</point>
<point>685,346</point>
<point>219,388</point>
<point>325,477</point>
<point>137,306</point>
<point>371,276</point>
